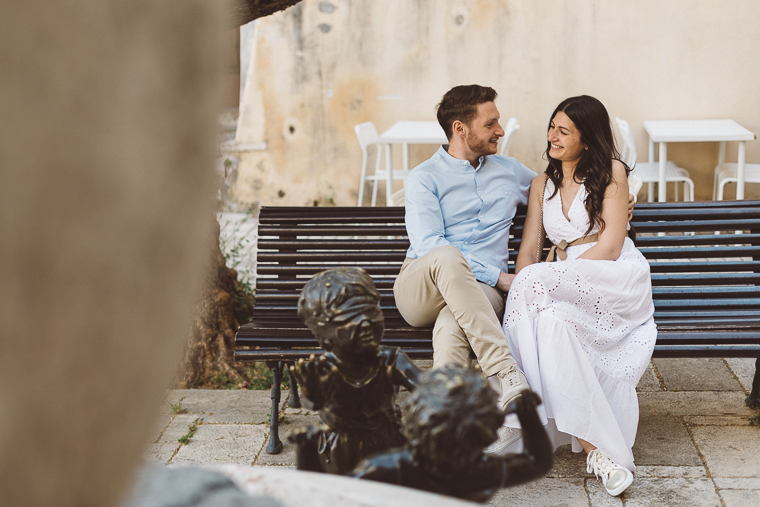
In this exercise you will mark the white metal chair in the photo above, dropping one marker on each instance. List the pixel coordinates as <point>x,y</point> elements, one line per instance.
<point>367,135</point>
<point>649,172</point>
<point>727,172</point>
<point>506,141</point>
<point>634,185</point>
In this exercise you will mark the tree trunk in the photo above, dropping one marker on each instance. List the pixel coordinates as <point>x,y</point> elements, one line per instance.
<point>211,348</point>
<point>244,11</point>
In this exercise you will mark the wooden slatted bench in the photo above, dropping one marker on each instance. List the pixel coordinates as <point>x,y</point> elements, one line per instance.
<point>706,286</point>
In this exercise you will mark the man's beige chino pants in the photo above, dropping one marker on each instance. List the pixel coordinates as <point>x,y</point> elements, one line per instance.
<point>439,289</point>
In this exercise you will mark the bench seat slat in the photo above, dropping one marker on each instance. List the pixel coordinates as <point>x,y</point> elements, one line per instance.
<point>706,351</point>
<point>714,292</point>
<point>702,267</point>
<point>728,303</point>
<point>333,244</point>
<point>304,269</point>
<point>331,256</point>
<point>306,230</point>
<point>700,252</point>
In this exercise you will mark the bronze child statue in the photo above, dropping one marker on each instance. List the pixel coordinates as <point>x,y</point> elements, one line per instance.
<point>452,417</point>
<point>354,383</point>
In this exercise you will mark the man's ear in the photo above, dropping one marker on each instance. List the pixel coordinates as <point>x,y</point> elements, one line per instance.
<point>458,128</point>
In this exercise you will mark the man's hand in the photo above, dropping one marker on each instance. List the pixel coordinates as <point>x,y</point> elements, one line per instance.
<point>631,202</point>
<point>504,282</point>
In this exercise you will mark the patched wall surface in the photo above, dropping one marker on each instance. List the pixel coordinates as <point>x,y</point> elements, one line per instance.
<point>323,66</point>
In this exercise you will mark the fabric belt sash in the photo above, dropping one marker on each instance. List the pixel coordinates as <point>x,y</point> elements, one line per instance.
<point>557,252</point>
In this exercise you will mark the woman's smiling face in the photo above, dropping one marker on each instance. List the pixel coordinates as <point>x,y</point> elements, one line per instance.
<point>564,139</point>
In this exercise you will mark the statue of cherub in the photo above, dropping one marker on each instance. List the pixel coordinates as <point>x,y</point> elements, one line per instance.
<point>452,417</point>
<point>354,383</point>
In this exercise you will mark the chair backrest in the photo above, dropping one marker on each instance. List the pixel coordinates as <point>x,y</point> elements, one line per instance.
<point>634,185</point>
<point>628,153</point>
<point>366,133</point>
<point>509,129</point>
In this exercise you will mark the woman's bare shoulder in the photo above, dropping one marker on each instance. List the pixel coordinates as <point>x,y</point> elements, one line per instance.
<point>618,171</point>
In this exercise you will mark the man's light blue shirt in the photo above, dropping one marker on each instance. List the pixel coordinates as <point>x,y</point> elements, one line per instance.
<point>448,202</point>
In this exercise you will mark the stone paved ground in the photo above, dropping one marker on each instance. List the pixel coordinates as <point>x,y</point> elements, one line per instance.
<point>695,446</point>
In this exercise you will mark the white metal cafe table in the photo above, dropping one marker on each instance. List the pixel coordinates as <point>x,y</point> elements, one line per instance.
<point>406,133</point>
<point>697,131</point>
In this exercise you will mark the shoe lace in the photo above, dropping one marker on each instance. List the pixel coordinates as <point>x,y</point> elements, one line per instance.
<point>598,463</point>
<point>509,378</point>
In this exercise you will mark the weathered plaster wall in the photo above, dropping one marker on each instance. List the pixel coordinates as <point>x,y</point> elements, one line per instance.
<point>323,66</point>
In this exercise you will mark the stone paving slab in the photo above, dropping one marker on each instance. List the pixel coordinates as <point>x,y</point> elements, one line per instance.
<point>179,427</point>
<point>225,406</point>
<point>543,493</point>
<point>598,496</point>
<point>673,472</point>
<point>716,420</point>
<point>733,483</point>
<point>568,464</point>
<point>730,451</point>
<point>649,381</point>
<point>696,374</point>
<point>286,458</point>
<point>161,423</point>
<point>646,492</point>
<point>694,403</point>
<point>663,440</point>
<point>741,498</point>
<point>215,444</point>
<point>298,411</point>
<point>288,455</point>
<point>160,453</point>
<point>744,369</point>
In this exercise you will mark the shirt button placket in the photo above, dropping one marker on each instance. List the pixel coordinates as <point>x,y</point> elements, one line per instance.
<point>480,194</point>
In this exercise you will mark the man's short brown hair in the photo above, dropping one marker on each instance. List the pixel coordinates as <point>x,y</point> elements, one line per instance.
<point>461,103</point>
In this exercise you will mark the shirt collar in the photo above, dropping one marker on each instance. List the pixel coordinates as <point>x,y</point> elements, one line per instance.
<point>443,151</point>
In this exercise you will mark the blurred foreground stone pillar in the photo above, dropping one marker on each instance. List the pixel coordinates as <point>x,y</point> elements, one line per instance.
<point>106,194</point>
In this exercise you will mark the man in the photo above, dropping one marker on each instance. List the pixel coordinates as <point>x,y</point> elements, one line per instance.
<point>459,207</point>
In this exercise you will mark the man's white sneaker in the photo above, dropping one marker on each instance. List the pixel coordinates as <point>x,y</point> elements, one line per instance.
<point>512,382</point>
<point>616,478</point>
<point>506,436</point>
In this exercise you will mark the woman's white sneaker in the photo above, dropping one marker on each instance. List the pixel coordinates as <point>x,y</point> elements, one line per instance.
<point>616,478</point>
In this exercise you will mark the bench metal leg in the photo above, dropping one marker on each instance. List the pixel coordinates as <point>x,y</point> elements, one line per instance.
<point>294,401</point>
<point>754,397</point>
<point>274,446</point>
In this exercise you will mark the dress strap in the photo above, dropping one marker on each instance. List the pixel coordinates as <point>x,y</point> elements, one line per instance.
<point>557,252</point>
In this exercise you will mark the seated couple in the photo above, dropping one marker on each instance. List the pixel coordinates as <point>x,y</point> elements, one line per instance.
<point>579,331</point>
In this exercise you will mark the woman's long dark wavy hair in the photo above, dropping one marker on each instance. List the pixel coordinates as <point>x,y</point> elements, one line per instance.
<point>594,169</point>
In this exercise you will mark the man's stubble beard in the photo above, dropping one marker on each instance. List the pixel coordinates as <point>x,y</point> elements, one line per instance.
<point>480,148</point>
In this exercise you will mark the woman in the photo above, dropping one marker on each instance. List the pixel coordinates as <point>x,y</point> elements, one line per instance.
<point>581,328</point>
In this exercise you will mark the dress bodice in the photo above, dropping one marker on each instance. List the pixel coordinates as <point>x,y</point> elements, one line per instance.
<point>558,227</point>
